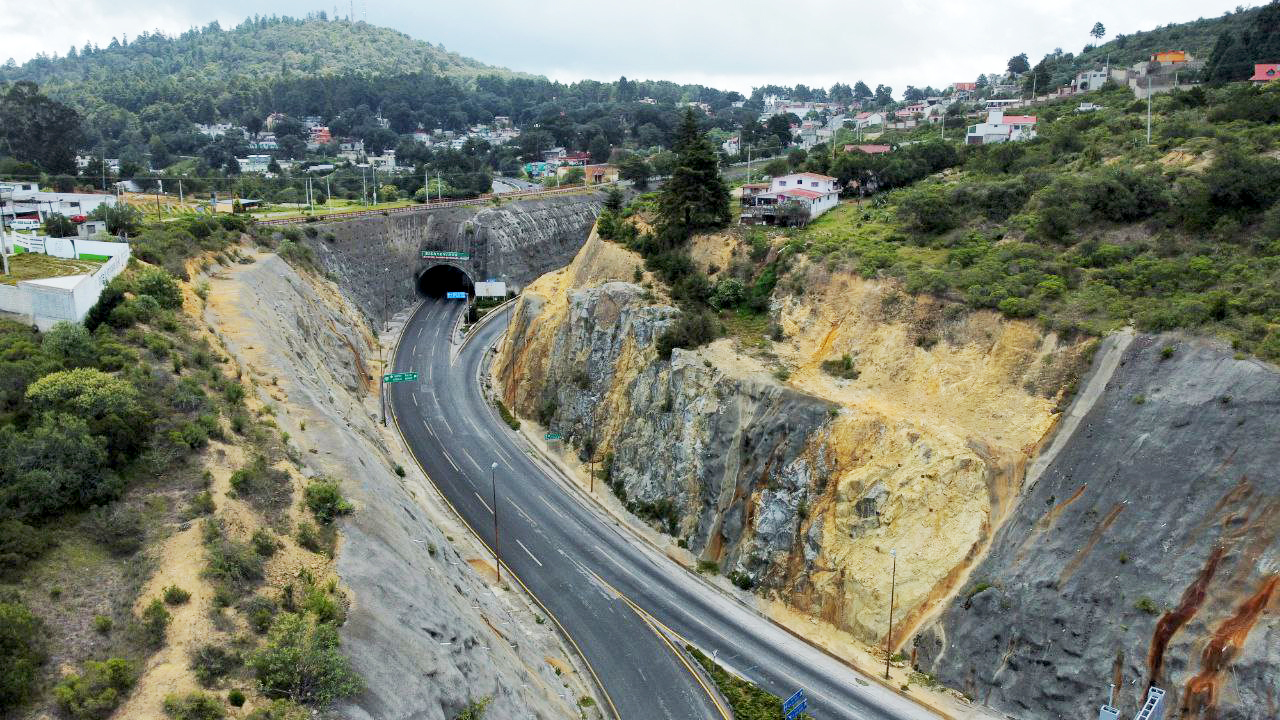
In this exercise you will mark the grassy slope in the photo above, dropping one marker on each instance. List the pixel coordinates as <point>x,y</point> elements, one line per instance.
<point>984,234</point>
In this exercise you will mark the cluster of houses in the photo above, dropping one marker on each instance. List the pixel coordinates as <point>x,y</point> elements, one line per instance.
<point>558,162</point>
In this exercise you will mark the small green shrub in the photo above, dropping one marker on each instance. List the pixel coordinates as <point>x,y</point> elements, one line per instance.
<point>475,709</point>
<point>324,499</point>
<point>201,504</point>
<point>102,624</point>
<point>511,420</point>
<point>232,566</point>
<point>22,653</point>
<point>236,698</point>
<point>316,539</point>
<point>259,612</point>
<point>264,543</point>
<point>842,368</point>
<point>211,663</point>
<point>194,706</point>
<point>708,567</point>
<point>280,710</point>
<point>174,595</point>
<point>96,692</point>
<point>154,623</point>
<point>1147,605</point>
<point>301,662</point>
<point>399,470</point>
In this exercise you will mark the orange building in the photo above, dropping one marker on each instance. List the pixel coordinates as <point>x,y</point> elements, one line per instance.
<point>1169,57</point>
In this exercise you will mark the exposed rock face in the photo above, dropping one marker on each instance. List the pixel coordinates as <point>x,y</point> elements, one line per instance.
<point>425,630</point>
<point>376,259</point>
<point>803,486</point>
<point>1147,552</point>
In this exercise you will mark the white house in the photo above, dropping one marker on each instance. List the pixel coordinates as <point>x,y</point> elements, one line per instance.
<point>254,163</point>
<point>1089,80</point>
<point>732,146</point>
<point>43,302</point>
<point>1002,128</point>
<point>815,193</point>
<point>866,119</point>
<point>41,205</point>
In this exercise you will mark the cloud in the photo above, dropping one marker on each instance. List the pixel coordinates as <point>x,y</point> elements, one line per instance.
<point>731,45</point>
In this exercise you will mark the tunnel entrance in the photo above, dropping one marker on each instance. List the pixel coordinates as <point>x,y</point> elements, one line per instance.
<point>437,280</point>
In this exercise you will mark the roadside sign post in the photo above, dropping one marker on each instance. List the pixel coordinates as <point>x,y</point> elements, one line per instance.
<point>552,436</point>
<point>392,378</point>
<point>455,295</point>
<point>794,705</point>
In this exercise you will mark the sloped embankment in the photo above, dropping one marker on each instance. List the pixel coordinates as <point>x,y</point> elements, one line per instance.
<point>426,631</point>
<point>1147,552</point>
<point>799,486</point>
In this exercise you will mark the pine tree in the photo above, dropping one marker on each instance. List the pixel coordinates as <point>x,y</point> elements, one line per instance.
<point>696,197</point>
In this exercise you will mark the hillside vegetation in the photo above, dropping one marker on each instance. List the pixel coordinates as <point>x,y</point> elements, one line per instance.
<point>1088,228</point>
<point>258,47</point>
<point>111,432</point>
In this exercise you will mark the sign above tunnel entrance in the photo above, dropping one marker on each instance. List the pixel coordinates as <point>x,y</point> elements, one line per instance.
<point>445,255</point>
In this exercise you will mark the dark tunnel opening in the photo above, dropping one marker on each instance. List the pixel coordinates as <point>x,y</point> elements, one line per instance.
<point>436,281</point>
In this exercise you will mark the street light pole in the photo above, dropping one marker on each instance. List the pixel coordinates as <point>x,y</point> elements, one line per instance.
<point>497,556</point>
<point>382,366</point>
<point>888,641</point>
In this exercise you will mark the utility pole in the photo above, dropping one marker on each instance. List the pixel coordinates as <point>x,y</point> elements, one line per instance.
<point>888,641</point>
<point>439,188</point>
<point>374,169</point>
<point>497,555</point>
<point>182,199</point>
<point>1148,106</point>
<point>364,188</point>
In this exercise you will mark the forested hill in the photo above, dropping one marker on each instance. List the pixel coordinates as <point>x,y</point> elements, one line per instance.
<point>257,48</point>
<point>1196,37</point>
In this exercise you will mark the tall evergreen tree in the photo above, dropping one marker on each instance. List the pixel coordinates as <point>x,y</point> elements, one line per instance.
<point>696,197</point>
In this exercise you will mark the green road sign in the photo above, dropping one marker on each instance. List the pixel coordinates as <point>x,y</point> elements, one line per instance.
<point>552,436</point>
<point>399,377</point>
<point>445,255</point>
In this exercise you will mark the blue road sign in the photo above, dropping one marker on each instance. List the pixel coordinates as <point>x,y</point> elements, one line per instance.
<point>456,295</point>
<point>794,705</point>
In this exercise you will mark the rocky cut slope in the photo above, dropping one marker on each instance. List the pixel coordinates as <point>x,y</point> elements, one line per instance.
<point>800,487</point>
<point>1147,552</point>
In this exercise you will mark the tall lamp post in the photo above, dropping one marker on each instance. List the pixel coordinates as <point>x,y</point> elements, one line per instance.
<point>497,556</point>
<point>888,641</point>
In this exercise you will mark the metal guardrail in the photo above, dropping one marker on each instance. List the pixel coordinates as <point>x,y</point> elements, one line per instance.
<point>423,207</point>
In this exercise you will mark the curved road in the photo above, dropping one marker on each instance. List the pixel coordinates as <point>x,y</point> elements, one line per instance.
<point>624,604</point>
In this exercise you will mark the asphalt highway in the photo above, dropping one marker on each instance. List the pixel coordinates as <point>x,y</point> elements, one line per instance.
<point>625,605</point>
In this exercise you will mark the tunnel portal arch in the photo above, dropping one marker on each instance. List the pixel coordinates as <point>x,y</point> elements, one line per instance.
<point>437,279</point>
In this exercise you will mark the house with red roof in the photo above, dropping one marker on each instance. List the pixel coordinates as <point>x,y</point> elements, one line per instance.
<point>798,198</point>
<point>1265,73</point>
<point>1002,128</point>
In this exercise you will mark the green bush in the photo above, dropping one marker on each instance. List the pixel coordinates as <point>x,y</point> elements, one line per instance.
<point>154,623</point>
<point>317,539</point>
<point>194,706</point>
<point>231,565</point>
<point>259,612</point>
<point>22,653</point>
<point>211,663</point>
<point>266,488</point>
<point>690,331</point>
<point>301,662</point>
<point>475,709</point>
<point>159,285</point>
<point>19,544</point>
<point>174,595</point>
<point>324,499</point>
<point>102,624</point>
<point>95,693</point>
<point>236,698</point>
<point>511,420</point>
<point>264,543</point>
<point>842,368</point>
<point>280,710</point>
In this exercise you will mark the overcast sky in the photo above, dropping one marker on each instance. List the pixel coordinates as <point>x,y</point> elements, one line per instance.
<point>730,45</point>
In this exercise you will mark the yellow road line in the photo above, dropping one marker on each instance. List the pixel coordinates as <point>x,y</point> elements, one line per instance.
<point>654,624</point>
